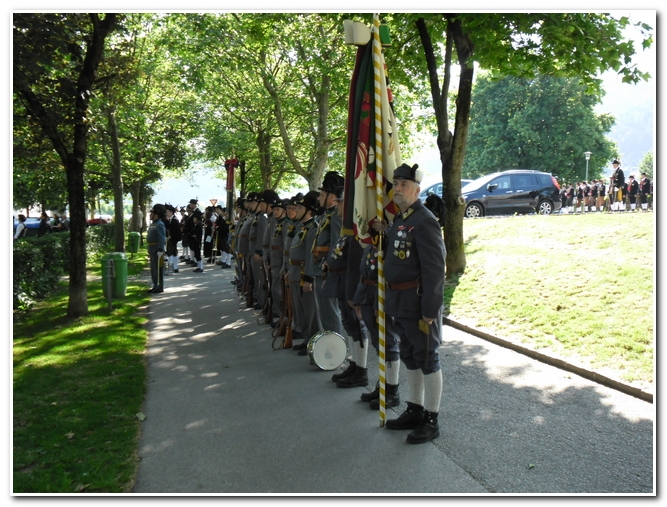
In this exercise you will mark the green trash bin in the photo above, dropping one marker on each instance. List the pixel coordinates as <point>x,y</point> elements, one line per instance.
<point>114,274</point>
<point>133,242</point>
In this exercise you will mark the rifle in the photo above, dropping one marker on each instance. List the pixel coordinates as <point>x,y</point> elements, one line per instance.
<point>285,321</point>
<point>268,299</point>
<point>247,286</point>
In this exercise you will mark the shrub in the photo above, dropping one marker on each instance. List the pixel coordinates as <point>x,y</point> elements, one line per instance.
<point>40,262</point>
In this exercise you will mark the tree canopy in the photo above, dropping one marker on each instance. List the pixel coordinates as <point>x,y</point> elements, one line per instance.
<point>544,123</point>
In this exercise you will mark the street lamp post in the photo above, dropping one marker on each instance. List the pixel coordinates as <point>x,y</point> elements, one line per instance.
<point>587,154</point>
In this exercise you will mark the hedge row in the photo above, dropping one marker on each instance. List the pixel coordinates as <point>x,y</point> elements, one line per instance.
<point>40,262</point>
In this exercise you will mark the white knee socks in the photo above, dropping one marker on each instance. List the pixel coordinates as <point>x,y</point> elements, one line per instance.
<point>416,387</point>
<point>432,391</point>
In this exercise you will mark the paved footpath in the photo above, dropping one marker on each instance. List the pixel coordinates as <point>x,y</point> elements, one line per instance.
<point>226,414</point>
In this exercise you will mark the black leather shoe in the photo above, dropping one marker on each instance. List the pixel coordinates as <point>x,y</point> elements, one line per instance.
<point>303,352</point>
<point>257,307</point>
<point>373,395</point>
<point>198,270</point>
<point>358,379</point>
<point>392,398</point>
<point>299,346</point>
<point>152,289</point>
<point>408,420</point>
<point>428,429</point>
<point>175,271</point>
<point>346,373</point>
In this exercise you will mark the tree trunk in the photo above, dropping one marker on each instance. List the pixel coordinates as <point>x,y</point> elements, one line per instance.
<point>135,221</point>
<point>117,181</point>
<point>264,146</point>
<point>451,146</point>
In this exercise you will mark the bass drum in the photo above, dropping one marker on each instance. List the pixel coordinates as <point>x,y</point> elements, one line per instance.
<point>327,350</point>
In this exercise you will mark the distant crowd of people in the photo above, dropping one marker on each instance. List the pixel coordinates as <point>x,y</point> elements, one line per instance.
<point>204,238</point>
<point>47,225</point>
<point>618,195</point>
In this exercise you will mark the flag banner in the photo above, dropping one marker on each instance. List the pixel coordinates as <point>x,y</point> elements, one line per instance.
<point>362,147</point>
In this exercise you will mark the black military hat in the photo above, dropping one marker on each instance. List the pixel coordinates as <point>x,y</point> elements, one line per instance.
<point>282,203</point>
<point>239,202</point>
<point>295,198</point>
<point>193,201</point>
<point>309,201</point>
<point>269,196</point>
<point>169,207</point>
<point>252,197</point>
<point>197,213</point>
<point>332,180</point>
<point>615,162</point>
<point>159,210</point>
<point>404,171</point>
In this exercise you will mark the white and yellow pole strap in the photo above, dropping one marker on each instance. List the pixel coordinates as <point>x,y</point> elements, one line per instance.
<point>378,80</point>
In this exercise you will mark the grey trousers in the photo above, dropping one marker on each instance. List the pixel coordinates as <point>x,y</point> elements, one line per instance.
<point>328,309</point>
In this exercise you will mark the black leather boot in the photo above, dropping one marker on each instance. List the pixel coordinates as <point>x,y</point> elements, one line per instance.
<point>373,395</point>
<point>346,373</point>
<point>358,379</point>
<point>427,430</point>
<point>392,399</point>
<point>408,420</point>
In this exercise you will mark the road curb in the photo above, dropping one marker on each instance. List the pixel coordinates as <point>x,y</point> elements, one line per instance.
<point>558,363</point>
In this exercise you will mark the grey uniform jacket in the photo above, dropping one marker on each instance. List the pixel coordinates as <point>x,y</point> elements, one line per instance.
<point>300,249</point>
<point>244,235</point>
<point>277,243</point>
<point>415,251</point>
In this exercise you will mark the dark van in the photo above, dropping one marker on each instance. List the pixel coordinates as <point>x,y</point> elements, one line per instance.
<point>512,191</point>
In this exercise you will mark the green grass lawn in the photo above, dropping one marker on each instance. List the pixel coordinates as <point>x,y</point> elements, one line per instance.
<point>78,387</point>
<point>577,286</point>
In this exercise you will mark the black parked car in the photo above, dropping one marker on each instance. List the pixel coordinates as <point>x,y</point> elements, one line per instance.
<point>437,190</point>
<point>513,191</point>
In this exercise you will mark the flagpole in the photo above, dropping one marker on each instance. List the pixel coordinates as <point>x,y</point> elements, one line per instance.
<point>378,77</point>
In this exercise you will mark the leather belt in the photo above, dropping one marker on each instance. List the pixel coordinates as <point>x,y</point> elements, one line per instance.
<point>245,235</point>
<point>285,252</point>
<point>265,246</point>
<point>277,247</point>
<point>296,263</point>
<point>337,271</point>
<point>366,281</point>
<point>413,284</point>
<point>318,249</point>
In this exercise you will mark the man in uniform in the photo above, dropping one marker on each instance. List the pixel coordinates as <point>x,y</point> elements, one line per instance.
<point>250,204</point>
<point>292,223</point>
<point>644,191</point>
<point>304,303</point>
<point>276,241</point>
<point>195,238</point>
<point>633,190</point>
<point>243,215</point>
<point>260,255</point>
<point>329,224</point>
<point>173,237</point>
<point>156,239</point>
<point>188,224</point>
<point>415,274</point>
<point>617,182</point>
